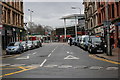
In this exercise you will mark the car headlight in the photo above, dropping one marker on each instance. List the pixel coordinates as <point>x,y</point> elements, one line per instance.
<point>93,45</point>
<point>105,45</point>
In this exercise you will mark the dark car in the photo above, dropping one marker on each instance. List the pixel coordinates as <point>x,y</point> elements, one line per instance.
<point>24,44</point>
<point>14,47</point>
<point>37,43</point>
<point>30,45</point>
<point>95,45</point>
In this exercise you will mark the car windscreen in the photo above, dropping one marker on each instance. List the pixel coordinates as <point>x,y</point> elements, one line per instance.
<point>96,39</point>
<point>14,44</point>
<point>29,42</point>
<point>22,43</point>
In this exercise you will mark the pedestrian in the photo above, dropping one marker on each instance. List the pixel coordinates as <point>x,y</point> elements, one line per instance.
<point>70,39</point>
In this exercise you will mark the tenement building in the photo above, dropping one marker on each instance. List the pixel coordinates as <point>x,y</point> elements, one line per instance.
<point>97,26</point>
<point>12,22</point>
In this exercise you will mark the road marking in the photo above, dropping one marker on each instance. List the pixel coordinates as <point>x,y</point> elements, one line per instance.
<point>68,52</point>
<point>93,56</point>
<point>95,67</point>
<point>71,57</point>
<point>81,67</point>
<point>34,53</point>
<point>17,72</point>
<point>112,68</point>
<point>50,66</point>
<point>52,51</point>
<point>65,66</point>
<point>23,57</point>
<point>43,63</point>
<point>49,55</point>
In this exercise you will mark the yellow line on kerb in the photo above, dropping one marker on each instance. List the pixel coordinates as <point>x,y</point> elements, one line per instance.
<point>17,71</point>
<point>93,56</point>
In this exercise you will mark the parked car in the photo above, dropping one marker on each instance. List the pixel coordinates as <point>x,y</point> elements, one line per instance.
<point>75,41</point>
<point>30,45</point>
<point>79,40</point>
<point>14,47</point>
<point>37,43</point>
<point>95,45</point>
<point>24,44</point>
<point>84,42</point>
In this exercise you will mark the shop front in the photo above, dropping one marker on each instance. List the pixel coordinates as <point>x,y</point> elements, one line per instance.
<point>11,34</point>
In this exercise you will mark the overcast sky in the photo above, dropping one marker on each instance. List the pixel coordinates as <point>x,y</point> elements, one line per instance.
<point>49,13</point>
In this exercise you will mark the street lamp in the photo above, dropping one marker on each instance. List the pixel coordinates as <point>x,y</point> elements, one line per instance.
<point>76,20</point>
<point>30,14</point>
<point>76,8</point>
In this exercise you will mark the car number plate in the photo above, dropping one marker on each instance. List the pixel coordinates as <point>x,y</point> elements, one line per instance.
<point>99,50</point>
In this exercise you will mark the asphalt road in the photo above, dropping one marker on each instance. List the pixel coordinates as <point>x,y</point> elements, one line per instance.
<point>57,60</point>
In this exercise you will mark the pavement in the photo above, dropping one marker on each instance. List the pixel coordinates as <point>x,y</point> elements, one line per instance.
<point>115,55</point>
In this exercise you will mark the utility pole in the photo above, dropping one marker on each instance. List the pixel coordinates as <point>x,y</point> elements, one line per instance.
<point>109,51</point>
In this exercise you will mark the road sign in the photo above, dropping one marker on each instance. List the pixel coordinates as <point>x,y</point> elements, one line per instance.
<point>70,57</point>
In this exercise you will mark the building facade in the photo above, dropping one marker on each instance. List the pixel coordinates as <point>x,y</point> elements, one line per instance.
<point>96,16</point>
<point>12,22</point>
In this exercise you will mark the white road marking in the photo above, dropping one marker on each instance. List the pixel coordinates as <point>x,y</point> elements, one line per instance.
<point>50,66</point>
<point>18,65</point>
<point>52,51</point>
<point>43,63</point>
<point>68,52</point>
<point>95,67</point>
<point>49,55</point>
<point>34,53</point>
<point>70,57</point>
<point>23,57</point>
<point>65,66</point>
<point>112,68</point>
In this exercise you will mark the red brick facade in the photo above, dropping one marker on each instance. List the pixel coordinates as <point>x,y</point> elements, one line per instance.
<point>113,15</point>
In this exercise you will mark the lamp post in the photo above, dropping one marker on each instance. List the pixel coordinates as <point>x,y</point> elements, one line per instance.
<point>30,14</point>
<point>76,21</point>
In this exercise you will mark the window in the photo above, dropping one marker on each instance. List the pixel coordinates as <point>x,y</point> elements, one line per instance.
<point>113,15</point>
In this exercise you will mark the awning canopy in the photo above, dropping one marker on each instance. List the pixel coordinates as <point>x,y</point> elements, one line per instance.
<point>74,16</point>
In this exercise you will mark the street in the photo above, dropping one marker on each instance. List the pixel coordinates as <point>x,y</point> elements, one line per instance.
<point>57,60</point>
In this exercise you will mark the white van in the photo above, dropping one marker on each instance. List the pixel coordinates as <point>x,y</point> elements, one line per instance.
<point>84,41</point>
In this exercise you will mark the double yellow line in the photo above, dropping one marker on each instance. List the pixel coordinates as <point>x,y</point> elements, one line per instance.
<point>93,56</point>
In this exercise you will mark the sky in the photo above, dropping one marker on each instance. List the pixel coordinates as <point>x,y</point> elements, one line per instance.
<point>49,13</point>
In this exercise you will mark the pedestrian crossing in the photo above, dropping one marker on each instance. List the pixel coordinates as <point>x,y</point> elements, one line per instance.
<point>64,66</point>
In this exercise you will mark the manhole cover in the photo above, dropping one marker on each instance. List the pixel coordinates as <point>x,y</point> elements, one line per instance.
<point>65,66</point>
<point>112,68</point>
<point>95,67</point>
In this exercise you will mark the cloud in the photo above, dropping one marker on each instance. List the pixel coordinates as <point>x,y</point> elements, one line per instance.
<point>49,13</point>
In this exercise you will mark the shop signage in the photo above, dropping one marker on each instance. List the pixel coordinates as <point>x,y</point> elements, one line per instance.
<point>1,26</point>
